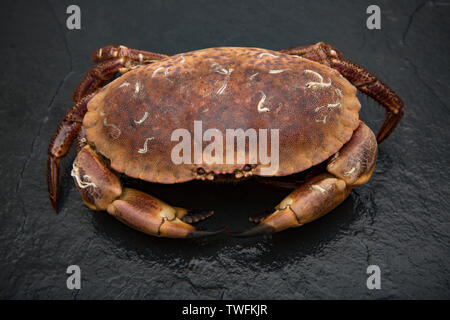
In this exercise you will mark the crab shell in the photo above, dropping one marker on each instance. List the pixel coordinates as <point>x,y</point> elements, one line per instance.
<point>130,121</point>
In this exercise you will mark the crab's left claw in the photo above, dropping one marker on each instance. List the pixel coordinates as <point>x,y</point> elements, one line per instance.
<point>152,216</point>
<point>101,189</point>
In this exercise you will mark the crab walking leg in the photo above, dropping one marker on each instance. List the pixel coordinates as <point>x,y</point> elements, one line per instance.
<point>351,166</point>
<point>101,189</point>
<point>96,77</point>
<point>110,60</point>
<point>360,78</point>
<point>60,143</point>
<point>110,52</point>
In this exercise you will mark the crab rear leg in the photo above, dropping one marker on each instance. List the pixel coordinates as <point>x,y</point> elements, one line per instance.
<point>360,78</point>
<point>110,60</point>
<point>60,143</point>
<point>110,52</point>
<point>101,189</point>
<point>351,166</point>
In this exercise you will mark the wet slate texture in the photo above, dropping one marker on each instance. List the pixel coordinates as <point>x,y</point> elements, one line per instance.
<point>398,221</point>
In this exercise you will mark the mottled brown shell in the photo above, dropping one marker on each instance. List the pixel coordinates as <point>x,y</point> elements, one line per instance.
<point>131,120</point>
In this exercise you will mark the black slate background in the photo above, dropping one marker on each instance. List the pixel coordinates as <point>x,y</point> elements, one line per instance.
<point>398,221</point>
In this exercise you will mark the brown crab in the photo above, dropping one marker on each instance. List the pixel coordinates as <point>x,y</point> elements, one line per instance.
<point>308,93</point>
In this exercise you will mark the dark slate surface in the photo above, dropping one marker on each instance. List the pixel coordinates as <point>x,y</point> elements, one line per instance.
<point>398,221</point>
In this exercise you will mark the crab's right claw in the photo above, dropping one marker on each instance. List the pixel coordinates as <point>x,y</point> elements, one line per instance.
<point>312,200</point>
<point>152,216</point>
<point>350,167</point>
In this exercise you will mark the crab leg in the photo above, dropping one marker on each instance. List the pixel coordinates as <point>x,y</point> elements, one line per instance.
<point>101,189</point>
<point>141,56</point>
<point>360,78</point>
<point>96,77</point>
<point>110,60</point>
<point>60,143</point>
<point>351,166</point>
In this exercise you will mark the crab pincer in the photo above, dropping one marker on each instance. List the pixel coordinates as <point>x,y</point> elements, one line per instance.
<point>351,167</point>
<point>101,189</point>
<point>152,216</point>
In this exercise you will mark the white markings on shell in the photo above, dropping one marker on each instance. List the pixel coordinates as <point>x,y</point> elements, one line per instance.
<point>156,71</point>
<point>166,72</point>
<point>144,149</point>
<point>329,106</point>
<point>144,117</point>
<point>278,71</point>
<point>318,188</point>
<point>261,104</point>
<point>136,87</point>
<point>125,84</point>
<point>333,105</point>
<point>220,69</point>
<point>253,76</point>
<point>182,59</point>
<point>267,54</point>
<point>227,72</point>
<point>222,88</point>
<point>141,57</point>
<point>224,71</point>
<point>320,84</point>
<point>114,135</point>
<point>324,120</point>
<point>84,182</point>
<point>352,170</point>
<point>348,173</point>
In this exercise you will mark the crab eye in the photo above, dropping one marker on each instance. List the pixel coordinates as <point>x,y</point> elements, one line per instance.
<point>247,167</point>
<point>200,171</point>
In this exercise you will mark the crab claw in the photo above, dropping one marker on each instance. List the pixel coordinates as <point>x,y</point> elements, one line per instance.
<point>310,201</point>
<point>204,233</point>
<point>279,220</point>
<point>193,216</point>
<point>255,231</point>
<point>155,217</point>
